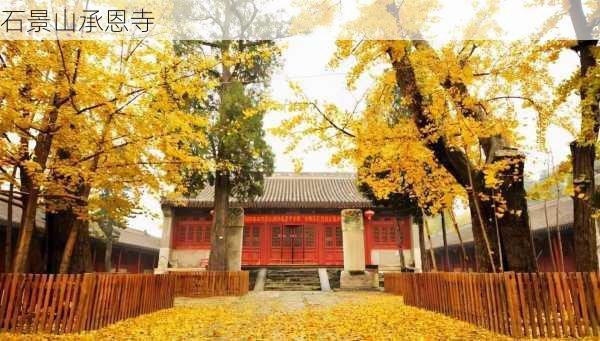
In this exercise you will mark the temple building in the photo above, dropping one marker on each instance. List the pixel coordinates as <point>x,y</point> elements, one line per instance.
<point>134,251</point>
<point>301,220</point>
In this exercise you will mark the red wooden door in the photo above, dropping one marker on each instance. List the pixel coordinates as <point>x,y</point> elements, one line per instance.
<point>309,249</point>
<point>251,245</point>
<point>333,253</point>
<point>293,244</point>
<point>289,240</point>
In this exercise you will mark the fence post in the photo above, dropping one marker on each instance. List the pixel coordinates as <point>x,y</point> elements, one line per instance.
<point>414,295</point>
<point>513,308</point>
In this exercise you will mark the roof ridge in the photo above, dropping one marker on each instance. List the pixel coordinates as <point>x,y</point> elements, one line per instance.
<point>319,175</point>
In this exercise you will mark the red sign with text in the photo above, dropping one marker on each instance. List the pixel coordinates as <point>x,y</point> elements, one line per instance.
<point>292,219</point>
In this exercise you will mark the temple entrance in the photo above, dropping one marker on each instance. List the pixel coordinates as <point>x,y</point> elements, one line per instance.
<point>293,244</point>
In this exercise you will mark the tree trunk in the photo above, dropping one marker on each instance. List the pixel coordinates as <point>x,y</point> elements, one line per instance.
<point>217,260</point>
<point>513,225</point>
<point>483,250</point>
<point>108,257</point>
<point>36,258</point>
<point>58,227</point>
<point>446,252</point>
<point>41,153</point>
<point>517,247</point>
<point>81,259</point>
<point>26,233</point>
<point>582,150</point>
<point>400,249</point>
<point>424,262</point>
<point>108,250</point>
<point>78,238</point>
<point>77,254</point>
<point>69,246</point>
<point>9,226</point>
<point>27,188</point>
<point>586,257</point>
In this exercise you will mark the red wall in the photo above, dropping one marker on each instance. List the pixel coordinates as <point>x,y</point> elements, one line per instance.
<point>125,259</point>
<point>294,238</point>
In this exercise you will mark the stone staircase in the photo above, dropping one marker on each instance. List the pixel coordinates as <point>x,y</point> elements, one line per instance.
<point>292,279</point>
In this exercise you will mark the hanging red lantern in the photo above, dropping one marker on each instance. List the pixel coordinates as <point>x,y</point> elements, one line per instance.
<point>369,214</point>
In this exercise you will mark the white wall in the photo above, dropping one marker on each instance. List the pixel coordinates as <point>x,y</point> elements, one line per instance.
<point>390,258</point>
<point>188,258</point>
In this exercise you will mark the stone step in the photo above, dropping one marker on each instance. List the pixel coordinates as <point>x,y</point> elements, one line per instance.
<point>294,287</point>
<point>287,283</point>
<point>290,275</point>
<point>292,280</point>
<point>291,284</point>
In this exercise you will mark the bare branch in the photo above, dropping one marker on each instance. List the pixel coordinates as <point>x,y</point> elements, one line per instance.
<point>64,62</point>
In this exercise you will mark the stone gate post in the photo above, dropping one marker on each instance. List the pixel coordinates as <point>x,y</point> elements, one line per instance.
<point>234,237</point>
<point>354,275</point>
<point>164,254</point>
<point>414,245</point>
<point>353,240</point>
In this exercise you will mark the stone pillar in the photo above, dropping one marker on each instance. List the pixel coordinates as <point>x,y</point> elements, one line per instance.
<point>354,240</point>
<point>414,245</point>
<point>164,254</point>
<point>354,275</point>
<point>234,238</point>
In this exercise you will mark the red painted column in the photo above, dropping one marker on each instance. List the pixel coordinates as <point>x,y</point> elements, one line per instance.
<point>319,243</point>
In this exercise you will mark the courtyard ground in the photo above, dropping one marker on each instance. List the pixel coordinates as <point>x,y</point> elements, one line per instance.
<point>274,315</point>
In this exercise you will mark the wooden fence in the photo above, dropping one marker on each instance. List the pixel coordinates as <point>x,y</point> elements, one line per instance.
<point>518,305</point>
<point>73,303</point>
<point>211,283</point>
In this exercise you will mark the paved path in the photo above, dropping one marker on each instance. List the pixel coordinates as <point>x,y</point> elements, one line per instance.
<point>281,316</point>
<point>281,300</point>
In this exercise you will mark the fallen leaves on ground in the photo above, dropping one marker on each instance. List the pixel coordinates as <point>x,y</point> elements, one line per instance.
<point>357,316</point>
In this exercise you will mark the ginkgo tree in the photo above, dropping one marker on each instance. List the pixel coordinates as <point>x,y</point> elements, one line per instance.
<point>439,117</point>
<point>580,94</point>
<point>79,117</point>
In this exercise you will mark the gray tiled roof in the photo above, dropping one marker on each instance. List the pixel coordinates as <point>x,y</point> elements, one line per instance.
<point>537,219</point>
<point>293,190</point>
<point>40,219</point>
<point>133,237</point>
<point>537,216</point>
<point>128,236</point>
